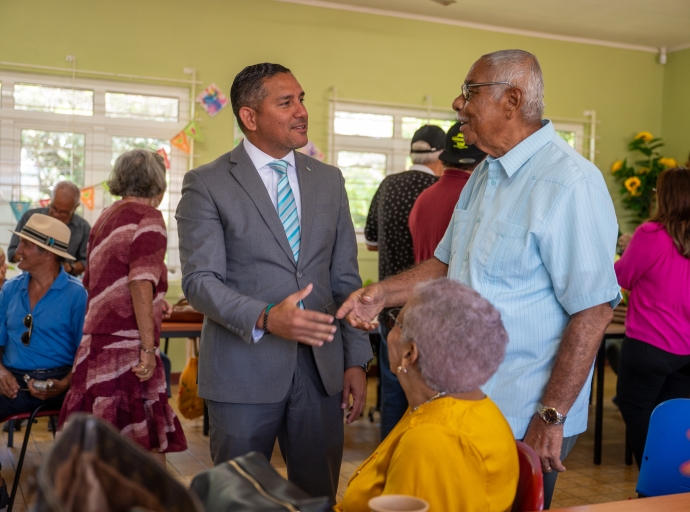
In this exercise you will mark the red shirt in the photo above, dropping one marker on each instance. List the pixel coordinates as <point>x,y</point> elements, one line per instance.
<point>432,211</point>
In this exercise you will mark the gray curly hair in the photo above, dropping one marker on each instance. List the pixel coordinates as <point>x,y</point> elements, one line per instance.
<point>459,335</point>
<point>138,173</point>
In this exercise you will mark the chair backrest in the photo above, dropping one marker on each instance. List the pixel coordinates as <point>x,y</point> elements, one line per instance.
<point>666,458</point>
<point>530,489</point>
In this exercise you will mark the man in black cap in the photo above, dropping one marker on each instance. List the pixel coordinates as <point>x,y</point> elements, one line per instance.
<point>387,232</point>
<point>434,207</point>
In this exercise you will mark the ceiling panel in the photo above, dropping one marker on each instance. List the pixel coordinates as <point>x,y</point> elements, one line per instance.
<point>635,22</point>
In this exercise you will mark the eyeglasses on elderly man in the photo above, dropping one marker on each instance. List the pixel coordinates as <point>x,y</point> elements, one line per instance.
<point>466,87</point>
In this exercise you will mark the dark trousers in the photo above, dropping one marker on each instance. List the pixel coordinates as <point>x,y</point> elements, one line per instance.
<point>25,401</point>
<point>647,376</point>
<point>393,399</point>
<point>307,423</point>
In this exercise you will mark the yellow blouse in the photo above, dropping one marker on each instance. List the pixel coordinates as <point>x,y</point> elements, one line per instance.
<point>458,455</point>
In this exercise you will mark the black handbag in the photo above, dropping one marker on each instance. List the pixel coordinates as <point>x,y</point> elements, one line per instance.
<point>249,484</point>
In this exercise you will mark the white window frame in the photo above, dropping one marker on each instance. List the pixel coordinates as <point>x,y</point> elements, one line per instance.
<point>98,130</point>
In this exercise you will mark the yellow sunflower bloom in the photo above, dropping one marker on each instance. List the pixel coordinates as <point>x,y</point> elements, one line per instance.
<point>645,136</point>
<point>617,165</point>
<point>632,184</point>
<point>643,170</point>
<point>668,162</point>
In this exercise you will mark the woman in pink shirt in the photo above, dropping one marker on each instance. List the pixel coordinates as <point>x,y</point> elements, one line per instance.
<point>655,267</point>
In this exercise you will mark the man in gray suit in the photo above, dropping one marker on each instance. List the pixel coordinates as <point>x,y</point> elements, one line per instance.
<point>268,255</point>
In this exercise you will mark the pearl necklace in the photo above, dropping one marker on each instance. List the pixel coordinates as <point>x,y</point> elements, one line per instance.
<point>437,395</point>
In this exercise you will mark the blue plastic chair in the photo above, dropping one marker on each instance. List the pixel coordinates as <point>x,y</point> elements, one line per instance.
<point>667,450</point>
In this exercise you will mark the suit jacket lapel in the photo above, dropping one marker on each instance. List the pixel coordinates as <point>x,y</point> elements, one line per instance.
<point>307,190</point>
<point>248,177</point>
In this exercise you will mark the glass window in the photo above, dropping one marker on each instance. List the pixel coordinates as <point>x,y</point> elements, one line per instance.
<point>412,124</point>
<point>363,173</point>
<point>48,157</point>
<point>363,125</point>
<point>58,100</point>
<point>137,106</point>
<point>567,136</point>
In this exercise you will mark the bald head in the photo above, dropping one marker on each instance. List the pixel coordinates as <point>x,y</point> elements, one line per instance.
<point>64,200</point>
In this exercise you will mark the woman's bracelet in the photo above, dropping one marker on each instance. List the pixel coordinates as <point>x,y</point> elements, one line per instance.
<point>268,308</point>
<point>148,350</point>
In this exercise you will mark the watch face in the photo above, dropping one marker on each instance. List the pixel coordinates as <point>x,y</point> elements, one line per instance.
<point>550,415</point>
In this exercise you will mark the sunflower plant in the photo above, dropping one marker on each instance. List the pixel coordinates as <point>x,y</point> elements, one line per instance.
<point>638,180</point>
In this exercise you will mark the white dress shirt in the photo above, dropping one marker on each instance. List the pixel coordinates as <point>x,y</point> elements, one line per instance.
<point>270,179</point>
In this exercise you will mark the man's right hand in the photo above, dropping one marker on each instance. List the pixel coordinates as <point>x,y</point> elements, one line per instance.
<point>288,321</point>
<point>9,386</point>
<point>362,306</point>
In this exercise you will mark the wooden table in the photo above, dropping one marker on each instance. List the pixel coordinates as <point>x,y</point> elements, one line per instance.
<point>183,330</point>
<point>672,503</point>
<point>179,330</point>
<point>613,331</point>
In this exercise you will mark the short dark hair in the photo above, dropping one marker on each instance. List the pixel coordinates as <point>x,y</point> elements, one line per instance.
<point>138,173</point>
<point>247,88</point>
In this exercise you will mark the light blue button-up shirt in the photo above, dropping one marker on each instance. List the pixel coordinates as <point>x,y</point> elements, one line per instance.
<point>534,232</point>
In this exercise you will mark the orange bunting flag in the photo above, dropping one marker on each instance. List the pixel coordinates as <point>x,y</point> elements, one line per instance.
<point>164,154</point>
<point>181,142</point>
<point>192,131</point>
<point>87,197</point>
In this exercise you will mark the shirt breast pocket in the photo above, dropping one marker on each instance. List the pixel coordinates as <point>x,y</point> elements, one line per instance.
<point>509,249</point>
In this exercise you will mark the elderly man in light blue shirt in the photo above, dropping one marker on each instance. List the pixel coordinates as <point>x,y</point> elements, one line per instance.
<point>534,232</point>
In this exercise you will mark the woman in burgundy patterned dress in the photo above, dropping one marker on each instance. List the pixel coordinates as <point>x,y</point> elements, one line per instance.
<point>117,373</point>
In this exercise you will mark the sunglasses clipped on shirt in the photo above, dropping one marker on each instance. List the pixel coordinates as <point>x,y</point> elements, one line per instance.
<point>29,324</point>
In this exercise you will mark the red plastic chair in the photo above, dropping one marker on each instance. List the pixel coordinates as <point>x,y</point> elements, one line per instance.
<point>530,490</point>
<point>31,416</point>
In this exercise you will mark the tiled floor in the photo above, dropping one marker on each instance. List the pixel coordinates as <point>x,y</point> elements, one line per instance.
<point>582,483</point>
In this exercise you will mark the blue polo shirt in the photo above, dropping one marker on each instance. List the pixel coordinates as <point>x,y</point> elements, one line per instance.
<point>534,232</point>
<point>58,319</point>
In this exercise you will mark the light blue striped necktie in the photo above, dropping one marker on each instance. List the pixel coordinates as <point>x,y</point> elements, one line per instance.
<point>287,208</point>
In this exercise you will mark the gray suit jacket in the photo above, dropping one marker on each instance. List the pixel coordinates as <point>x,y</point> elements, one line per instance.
<point>236,259</point>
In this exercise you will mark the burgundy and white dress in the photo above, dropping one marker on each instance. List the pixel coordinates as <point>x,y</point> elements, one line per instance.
<point>127,243</point>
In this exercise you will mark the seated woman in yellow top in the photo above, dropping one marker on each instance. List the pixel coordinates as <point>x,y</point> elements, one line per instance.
<point>453,448</point>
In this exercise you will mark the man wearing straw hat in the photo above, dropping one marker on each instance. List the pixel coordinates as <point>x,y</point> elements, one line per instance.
<point>41,319</point>
<point>63,203</point>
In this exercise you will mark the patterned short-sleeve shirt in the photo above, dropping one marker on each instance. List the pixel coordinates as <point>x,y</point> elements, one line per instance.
<point>387,225</point>
<point>127,243</point>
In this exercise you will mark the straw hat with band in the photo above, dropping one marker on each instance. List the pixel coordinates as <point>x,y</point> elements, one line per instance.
<point>48,233</point>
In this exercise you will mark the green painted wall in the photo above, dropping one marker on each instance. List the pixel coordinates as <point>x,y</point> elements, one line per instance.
<point>365,56</point>
<point>676,110</point>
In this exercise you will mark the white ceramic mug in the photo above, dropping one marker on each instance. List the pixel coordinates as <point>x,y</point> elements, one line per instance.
<point>398,503</point>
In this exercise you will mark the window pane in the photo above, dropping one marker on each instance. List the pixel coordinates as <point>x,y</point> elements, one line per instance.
<point>569,137</point>
<point>364,125</point>
<point>49,157</point>
<point>136,106</point>
<point>44,98</point>
<point>412,124</point>
<point>363,173</point>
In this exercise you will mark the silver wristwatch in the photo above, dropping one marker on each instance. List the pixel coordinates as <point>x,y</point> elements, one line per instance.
<point>550,415</point>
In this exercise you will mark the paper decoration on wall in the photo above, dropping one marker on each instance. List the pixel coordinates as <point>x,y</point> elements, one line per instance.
<point>192,131</point>
<point>164,154</point>
<point>181,142</point>
<point>44,202</point>
<point>212,100</point>
<point>105,186</point>
<point>19,208</point>
<point>88,196</point>
<point>311,150</point>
